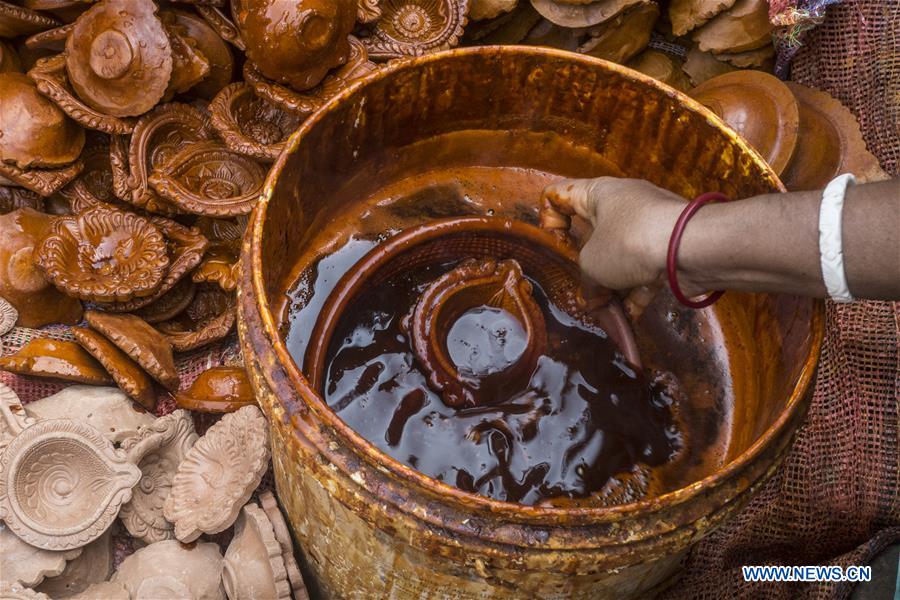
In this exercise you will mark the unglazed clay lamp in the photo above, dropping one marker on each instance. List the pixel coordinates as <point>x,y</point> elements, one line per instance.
<point>759,107</point>
<point>92,566</point>
<point>296,43</point>
<point>280,527</point>
<point>218,475</point>
<point>119,58</point>
<point>8,317</point>
<point>218,390</point>
<point>36,133</point>
<point>104,255</point>
<point>450,314</point>
<point>581,14</point>
<point>170,569</point>
<point>469,363</point>
<point>417,27</point>
<point>62,483</point>
<point>254,567</point>
<point>23,563</point>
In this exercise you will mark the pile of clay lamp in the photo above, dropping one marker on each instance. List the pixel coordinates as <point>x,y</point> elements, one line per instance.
<point>720,52</point>
<point>135,137</point>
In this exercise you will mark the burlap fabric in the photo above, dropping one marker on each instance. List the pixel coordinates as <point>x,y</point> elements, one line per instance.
<point>836,500</point>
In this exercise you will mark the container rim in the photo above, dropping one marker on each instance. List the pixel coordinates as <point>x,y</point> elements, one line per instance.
<point>381,461</point>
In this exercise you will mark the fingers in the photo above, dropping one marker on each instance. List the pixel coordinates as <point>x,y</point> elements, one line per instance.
<point>572,197</point>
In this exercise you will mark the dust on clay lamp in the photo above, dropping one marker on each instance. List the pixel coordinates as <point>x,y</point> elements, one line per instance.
<point>17,20</point>
<point>830,143</point>
<point>306,103</point>
<point>269,504</point>
<point>582,14</point>
<point>49,74</point>
<point>143,344</point>
<point>218,475</point>
<point>8,317</point>
<point>624,36</point>
<point>169,569</point>
<point>481,284</point>
<point>104,255</point>
<point>157,450</point>
<point>46,138</point>
<point>759,107</point>
<point>28,565</point>
<point>106,409</point>
<point>125,372</point>
<point>745,26</point>
<point>254,567</point>
<point>207,178</point>
<point>185,248</point>
<point>296,43</point>
<point>119,58</point>
<point>249,124</point>
<point>93,565</point>
<point>158,137</point>
<point>417,27</point>
<point>208,318</point>
<point>62,484</point>
<point>56,359</point>
<point>218,390</point>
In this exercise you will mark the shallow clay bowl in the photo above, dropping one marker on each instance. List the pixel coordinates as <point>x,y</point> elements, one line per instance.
<point>541,256</point>
<point>745,365</point>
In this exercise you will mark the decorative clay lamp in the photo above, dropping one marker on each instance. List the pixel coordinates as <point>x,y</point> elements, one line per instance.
<point>119,58</point>
<point>212,46</point>
<point>36,133</point>
<point>104,255</point>
<point>170,569</point>
<point>157,450</point>
<point>170,304</point>
<point>92,566</point>
<point>139,341</point>
<point>222,25</point>
<point>106,409</point>
<point>703,66</point>
<point>218,475</point>
<point>490,9</point>
<point>56,359</point>
<point>744,27</point>
<point>662,67</point>
<point>13,418</point>
<point>622,37</point>
<point>296,43</point>
<point>577,15</point>
<point>13,198</point>
<point>8,317</point>
<point>83,481</point>
<point>218,390</point>
<point>759,107</point>
<point>687,15</point>
<point>125,372</point>
<point>279,526</point>
<point>254,568</point>
<point>18,20</point>
<point>21,282</point>
<point>28,565</point>
<point>417,27</point>
<point>210,317</point>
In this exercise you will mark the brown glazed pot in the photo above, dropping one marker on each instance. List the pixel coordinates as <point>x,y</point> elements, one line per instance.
<point>370,527</point>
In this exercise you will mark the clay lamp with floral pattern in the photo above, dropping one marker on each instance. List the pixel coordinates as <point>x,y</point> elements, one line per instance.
<point>209,318</point>
<point>218,390</point>
<point>130,377</point>
<point>417,27</point>
<point>17,20</point>
<point>104,255</point>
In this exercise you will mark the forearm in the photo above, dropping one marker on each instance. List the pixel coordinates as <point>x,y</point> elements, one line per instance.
<point>771,243</point>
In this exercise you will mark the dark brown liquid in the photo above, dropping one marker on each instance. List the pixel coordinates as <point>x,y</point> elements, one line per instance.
<point>585,424</point>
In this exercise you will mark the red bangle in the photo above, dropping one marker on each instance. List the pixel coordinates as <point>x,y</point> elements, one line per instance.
<point>675,242</point>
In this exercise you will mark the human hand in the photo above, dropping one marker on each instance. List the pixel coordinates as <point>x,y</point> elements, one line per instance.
<point>632,221</point>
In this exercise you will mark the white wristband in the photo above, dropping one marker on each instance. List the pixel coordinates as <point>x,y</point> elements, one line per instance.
<point>830,239</point>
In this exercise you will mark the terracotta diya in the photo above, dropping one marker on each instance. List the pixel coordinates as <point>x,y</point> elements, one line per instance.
<point>8,317</point>
<point>104,255</point>
<point>208,318</point>
<point>49,74</point>
<point>219,266</point>
<point>62,483</point>
<point>222,25</point>
<point>703,66</point>
<point>13,418</point>
<point>296,43</point>
<point>251,125</point>
<point>12,198</point>
<point>127,374</point>
<point>478,283</point>
<point>490,9</point>
<point>207,178</point>
<point>624,36</point>
<point>18,20</point>
<point>119,58</point>
<point>141,342</point>
<point>417,27</point>
<point>22,283</point>
<point>218,475</point>
<point>213,47</point>
<point>45,182</point>
<point>28,565</point>
<point>218,390</point>
<point>93,565</point>
<point>254,567</point>
<point>582,14</point>
<point>157,450</point>
<point>830,143</point>
<point>172,570</point>
<point>56,359</point>
<point>189,65</point>
<point>94,185</point>
<point>686,15</point>
<point>51,39</point>
<point>46,137</point>
<point>759,107</point>
<point>745,26</point>
<point>662,67</point>
<point>269,504</point>
<point>170,304</point>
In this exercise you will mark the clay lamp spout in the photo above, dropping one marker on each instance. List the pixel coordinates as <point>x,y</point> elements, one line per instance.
<point>477,332</point>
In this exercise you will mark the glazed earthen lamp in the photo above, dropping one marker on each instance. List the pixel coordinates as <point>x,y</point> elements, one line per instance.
<point>480,282</point>
<point>296,43</point>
